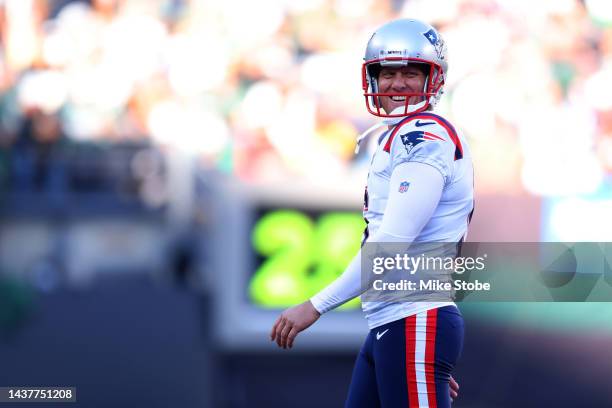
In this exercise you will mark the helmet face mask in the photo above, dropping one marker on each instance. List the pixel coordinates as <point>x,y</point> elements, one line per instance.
<point>398,44</point>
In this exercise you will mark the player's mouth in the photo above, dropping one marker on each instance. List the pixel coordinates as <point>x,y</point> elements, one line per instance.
<point>398,100</point>
<point>403,101</point>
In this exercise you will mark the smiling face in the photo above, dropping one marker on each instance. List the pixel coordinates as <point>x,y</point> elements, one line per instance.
<point>400,80</point>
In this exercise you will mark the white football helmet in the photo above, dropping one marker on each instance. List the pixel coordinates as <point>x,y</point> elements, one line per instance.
<point>399,43</point>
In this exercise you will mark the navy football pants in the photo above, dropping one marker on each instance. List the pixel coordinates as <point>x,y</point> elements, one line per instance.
<point>408,362</point>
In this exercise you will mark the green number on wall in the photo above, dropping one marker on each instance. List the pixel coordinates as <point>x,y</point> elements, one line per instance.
<point>302,257</point>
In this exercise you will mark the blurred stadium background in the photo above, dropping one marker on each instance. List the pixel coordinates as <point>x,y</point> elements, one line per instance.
<point>175,172</point>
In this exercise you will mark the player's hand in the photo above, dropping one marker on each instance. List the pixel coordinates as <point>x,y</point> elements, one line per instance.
<point>291,322</point>
<point>454,388</point>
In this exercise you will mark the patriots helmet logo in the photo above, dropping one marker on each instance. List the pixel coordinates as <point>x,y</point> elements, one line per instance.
<point>432,36</point>
<point>411,139</point>
<point>436,41</point>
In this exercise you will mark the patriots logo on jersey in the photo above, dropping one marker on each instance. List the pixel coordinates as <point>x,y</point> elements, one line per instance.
<point>411,139</point>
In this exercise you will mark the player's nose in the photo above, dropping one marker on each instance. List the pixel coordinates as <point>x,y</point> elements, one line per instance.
<point>399,84</point>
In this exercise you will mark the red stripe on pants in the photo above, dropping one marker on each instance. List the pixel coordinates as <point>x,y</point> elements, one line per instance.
<point>413,393</point>
<point>430,356</point>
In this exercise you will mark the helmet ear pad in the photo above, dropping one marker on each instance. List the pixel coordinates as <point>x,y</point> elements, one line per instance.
<point>373,72</point>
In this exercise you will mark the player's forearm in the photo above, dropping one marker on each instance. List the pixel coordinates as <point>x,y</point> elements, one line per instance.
<point>343,289</point>
<point>406,214</point>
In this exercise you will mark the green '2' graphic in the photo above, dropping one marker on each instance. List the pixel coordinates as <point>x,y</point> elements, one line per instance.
<point>302,257</point>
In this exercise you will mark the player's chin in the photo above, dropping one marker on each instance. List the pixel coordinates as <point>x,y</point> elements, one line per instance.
<point>416,100</point>
<point>389,105</point>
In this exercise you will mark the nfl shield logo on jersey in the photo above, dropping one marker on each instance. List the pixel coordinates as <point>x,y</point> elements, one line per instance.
<point>403,186</point>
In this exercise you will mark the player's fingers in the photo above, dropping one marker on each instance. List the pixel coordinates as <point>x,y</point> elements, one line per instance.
<point>453,384</point>
<point>285,334</point>
<point>273,332</point>
<point>454,388</point>
<point>279,331</point>
<point>292,335</point>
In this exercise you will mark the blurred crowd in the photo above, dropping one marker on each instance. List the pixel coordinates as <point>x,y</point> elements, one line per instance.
<point>270,90</point>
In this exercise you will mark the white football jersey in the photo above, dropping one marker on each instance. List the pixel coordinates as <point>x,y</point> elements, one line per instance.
<point>430,139</point>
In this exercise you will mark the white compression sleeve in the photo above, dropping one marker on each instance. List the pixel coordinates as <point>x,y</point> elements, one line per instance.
<point>405,216</point>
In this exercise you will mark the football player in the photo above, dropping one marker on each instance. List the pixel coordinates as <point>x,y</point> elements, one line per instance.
<point>419,189</point>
